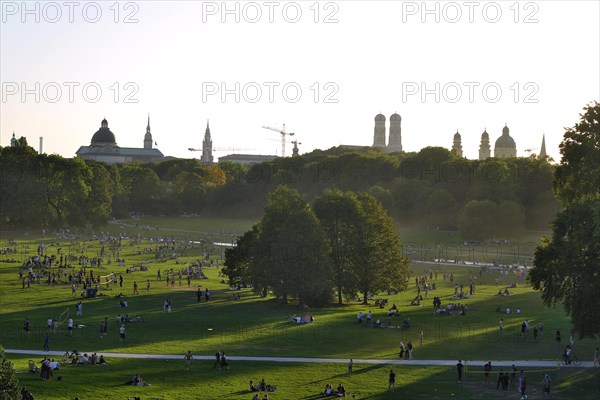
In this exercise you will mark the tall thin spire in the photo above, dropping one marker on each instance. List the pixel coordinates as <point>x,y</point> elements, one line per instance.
<point>148,136</point>
<point>207,146</point>
<point>543,148</point>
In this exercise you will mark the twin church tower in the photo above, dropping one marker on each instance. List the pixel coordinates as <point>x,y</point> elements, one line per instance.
<point>395,138</point>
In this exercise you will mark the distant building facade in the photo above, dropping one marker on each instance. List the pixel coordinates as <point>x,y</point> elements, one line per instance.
<point>246,159</point>
<point>104,148</point>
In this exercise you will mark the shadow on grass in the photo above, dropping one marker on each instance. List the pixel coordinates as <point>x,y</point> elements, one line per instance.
<point>346,375</point>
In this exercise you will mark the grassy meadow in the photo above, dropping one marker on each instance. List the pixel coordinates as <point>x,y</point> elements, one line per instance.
<point>254,326</point>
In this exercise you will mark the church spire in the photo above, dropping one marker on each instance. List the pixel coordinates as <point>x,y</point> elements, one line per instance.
<point>148,136</point>
<point>207,146</point>
<point>543,148</point>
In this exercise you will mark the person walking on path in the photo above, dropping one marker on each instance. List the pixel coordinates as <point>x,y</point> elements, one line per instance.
<point>523,388</point>
<point>401,349</point>
<point>350,367</point>
<point>487,368</point>
<point>199,295</point>
<point>47,342</point>
<point>547,381</point>
<point>105,327</point>
<point>188,359</point>
<point>392,380</point>
<point>135,288</point>
<point>500,379</point>
<point>122,333</point>
<point>421,338</point>
<point>217,359</point>
<point>459,370</point>
<point>596,357</point>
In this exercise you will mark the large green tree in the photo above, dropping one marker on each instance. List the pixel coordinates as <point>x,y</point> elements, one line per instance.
<point>302,261</point>
<point>378,263</point>
<point>339,215</point>
<point>239,259</point>
<point>269,271</point>
<point>567,265</point>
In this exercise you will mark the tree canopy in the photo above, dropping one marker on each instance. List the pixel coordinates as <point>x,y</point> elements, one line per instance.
<point>344,243</point>
<point>567,265</point>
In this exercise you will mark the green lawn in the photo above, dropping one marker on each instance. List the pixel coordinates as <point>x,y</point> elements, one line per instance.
<point>260,327</point>
<point>169,380</point>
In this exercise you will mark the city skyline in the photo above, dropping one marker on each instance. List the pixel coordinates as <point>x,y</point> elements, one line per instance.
<point>179,61</point>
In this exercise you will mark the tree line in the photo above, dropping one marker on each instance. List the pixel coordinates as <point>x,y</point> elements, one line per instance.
<point>430,189</point>
<point>343,245</point>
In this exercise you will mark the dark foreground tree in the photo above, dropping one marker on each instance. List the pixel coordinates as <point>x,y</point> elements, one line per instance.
<point>567,265</point>
<point>9,385</point>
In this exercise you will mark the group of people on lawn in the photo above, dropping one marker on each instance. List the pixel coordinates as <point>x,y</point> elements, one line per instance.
<point>261,387</point>
<point>339,392</point>
<point>362,317</point>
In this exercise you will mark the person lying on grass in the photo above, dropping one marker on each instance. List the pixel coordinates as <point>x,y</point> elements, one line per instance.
<point>137,381</point>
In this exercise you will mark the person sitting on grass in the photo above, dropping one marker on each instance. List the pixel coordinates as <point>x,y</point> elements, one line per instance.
<point>262,386</point>
<point>101,361</point>
<point>54,364</point>
<point>328,390</point>
<point>377,323</point>
<point>84,360</point>
<point>253,387</point>
<point>137,380</point>
<point>341,391</point>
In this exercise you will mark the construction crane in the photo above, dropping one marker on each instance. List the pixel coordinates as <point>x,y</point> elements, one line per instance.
<point>225,149</point>
<point>283,135</point>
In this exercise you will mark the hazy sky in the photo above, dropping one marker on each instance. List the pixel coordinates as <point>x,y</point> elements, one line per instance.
<point>532,65</point>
